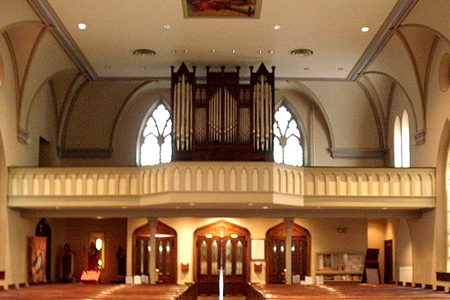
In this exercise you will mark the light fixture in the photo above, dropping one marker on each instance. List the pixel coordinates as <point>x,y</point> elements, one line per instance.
<point>341,229</point>
<point>208,235</point>
<point>213,51</point>
<point>301,52</point>
<point>277,27</point>
<point>234,236</point>
<point>99,244</point>
<point>185,51</point>
<point>365,29</point>
<point>167,26</point>
<point>270,51</point>
<point>82,26</point>
<point>144,52</point>
<point>233,51</point>
<point>174,51</point>
<point>142,68</point>
<point>265,207</point>
<point>260,51</point>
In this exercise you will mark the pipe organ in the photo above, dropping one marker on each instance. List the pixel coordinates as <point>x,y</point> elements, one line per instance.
<point>222,119</point>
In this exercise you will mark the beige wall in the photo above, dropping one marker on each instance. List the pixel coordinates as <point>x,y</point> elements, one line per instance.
<point>324,238</point>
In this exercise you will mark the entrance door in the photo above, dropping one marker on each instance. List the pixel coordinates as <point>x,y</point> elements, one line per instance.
<point>276,256</point>
<point>166,255</point>
<point>222,246</point>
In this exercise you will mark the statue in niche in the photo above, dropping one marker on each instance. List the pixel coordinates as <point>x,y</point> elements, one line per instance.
<point>94,256</point>
<point>121,257</point>
<point>67,265</point>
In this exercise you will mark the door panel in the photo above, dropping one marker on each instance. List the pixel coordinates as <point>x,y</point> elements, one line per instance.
<point>227,251</point>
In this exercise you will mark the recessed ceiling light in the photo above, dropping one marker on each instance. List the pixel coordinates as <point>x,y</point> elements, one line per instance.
<point>82,26</point>
<point>260,51</point>
<point>167,26</point>
<point>174,51</point>
<point>277,27</point>
<point>233,51</point>
<point>213,51</point>
<point>185,51</point>
<point>265,207</point>
<point>365,29</point>
<point>270,51</point>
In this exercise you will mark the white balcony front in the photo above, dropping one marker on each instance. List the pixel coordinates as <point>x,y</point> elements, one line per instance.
<point>221,185</point>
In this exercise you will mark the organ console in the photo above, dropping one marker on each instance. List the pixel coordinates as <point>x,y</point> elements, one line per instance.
<point>222,119</point>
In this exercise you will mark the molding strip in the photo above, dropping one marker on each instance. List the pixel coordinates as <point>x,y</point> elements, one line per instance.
<point>49,17</point>
<point>84,152</point>
<point>400,11</point>
<point>358,152</point>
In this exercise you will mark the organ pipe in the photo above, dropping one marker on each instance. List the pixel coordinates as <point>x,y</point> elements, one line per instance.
<point>232,120</point>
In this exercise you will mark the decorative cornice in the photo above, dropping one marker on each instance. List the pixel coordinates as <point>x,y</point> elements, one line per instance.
<point>420,137</point>
<point>85,152</point>
<point>358,152</point>
<point>400,11</point>
<point>49,17</point>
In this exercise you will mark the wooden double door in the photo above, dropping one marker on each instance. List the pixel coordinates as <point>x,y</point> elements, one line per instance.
<point>222,247</point>
<point>276,253</point>
<point>166,253</point>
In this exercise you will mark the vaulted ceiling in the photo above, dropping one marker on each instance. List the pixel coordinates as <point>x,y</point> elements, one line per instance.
<point>115,28</point>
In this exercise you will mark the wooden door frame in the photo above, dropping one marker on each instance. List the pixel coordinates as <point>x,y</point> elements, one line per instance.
<point>228,228</point>
<point>280,232</point>
<point>161,228</point>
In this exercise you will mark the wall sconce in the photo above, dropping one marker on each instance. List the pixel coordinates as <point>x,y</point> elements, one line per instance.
<point>342,229</point>
<point>184,267</point>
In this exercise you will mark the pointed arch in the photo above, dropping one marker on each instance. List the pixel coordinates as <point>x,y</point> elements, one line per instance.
<point>166,254</point>
<point>301,252</point>
<point>154,144</point>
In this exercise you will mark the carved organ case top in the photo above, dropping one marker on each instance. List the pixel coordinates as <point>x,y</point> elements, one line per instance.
<point>223,119</point>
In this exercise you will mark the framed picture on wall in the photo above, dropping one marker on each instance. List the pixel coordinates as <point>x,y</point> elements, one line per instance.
<point>258,249</point>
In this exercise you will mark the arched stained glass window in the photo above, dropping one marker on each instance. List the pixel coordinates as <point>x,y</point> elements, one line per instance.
<point>156,139</point>
<point>287,144</point>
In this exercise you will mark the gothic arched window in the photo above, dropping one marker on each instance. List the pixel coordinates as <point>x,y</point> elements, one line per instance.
<point>287,142</point>
<point>155,139</point>
<point>401,141</point>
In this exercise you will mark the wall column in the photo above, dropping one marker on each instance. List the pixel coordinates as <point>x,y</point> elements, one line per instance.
<point>152,258</point>
<point>288,252</point>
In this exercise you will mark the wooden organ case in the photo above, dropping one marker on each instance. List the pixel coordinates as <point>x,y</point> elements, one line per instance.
<point>222,119</point>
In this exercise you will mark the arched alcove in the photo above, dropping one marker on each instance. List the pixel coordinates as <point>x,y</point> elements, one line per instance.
<point>166,254</point>
<point>275,252</point>
<point>221,245</point>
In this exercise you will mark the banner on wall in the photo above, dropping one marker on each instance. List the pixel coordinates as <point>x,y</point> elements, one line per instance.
<point>38,259</point>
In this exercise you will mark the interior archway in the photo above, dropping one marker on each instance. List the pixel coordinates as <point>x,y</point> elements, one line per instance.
<point>166,252</point>
<point>275,252</point>
<point>221,246</point>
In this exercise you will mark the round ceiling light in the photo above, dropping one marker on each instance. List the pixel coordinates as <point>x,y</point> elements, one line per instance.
<point>365,29</point>
<point>82,26</point>
<point>144,52</point>
<point>301,52</point>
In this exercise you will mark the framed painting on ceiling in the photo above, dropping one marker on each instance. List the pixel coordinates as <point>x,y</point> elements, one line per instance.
<point>222,8</point>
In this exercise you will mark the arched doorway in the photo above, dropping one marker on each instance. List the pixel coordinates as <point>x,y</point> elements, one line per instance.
<point>43,229</point>
<point>221,245</point>
<point>275,252</point>
<point>166,252</point>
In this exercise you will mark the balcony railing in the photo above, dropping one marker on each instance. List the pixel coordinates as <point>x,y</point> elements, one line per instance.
<point>412,187</point>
